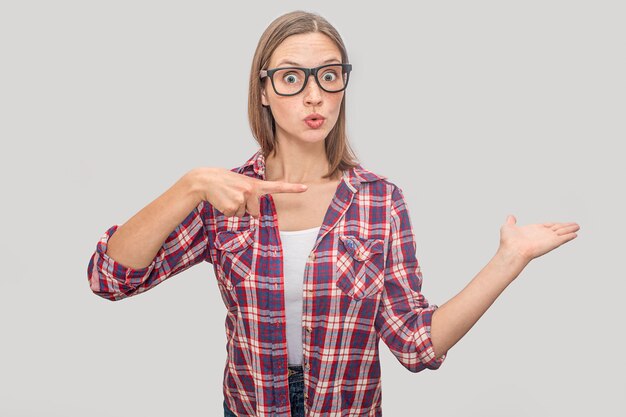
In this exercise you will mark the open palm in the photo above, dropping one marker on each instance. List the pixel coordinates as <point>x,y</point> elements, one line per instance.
<point>534,240</point>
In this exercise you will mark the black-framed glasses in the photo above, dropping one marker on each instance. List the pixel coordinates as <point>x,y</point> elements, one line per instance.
<point>289,81</point>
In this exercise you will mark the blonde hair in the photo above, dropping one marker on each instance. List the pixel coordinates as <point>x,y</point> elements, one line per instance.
<point>338,150</point>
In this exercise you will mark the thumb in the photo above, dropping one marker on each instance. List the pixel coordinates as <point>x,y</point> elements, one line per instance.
<point>511,220</point>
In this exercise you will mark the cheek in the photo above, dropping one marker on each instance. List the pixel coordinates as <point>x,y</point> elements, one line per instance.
<point>337,105</point>
<point>283,111</point>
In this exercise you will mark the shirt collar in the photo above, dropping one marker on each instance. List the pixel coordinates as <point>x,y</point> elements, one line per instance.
<point>255,166</point>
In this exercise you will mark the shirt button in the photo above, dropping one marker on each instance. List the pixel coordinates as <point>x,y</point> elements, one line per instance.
<point>308,329</point>
<point>306,396</point>
<point>312,256</point>
<point>307,366</point>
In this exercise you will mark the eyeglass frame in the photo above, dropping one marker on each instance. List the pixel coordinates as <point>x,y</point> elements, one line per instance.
<point>307,73</point>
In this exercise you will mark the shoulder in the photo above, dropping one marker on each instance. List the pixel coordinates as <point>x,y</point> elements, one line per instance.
<point>374,181</point>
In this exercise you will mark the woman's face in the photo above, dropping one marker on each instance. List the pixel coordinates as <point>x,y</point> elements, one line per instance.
<point>304,50</point>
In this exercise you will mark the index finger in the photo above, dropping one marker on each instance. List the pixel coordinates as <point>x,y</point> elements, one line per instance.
<point>269,187</point>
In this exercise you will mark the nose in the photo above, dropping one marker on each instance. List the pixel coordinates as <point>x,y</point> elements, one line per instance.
<point>312,91</point>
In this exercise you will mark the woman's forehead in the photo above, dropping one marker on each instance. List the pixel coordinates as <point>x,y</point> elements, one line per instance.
<point>309,49</point>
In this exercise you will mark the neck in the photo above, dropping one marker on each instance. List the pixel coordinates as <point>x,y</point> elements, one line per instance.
<point>297,162</point>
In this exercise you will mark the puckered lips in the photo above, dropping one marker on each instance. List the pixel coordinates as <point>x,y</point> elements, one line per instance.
<point>314,120</point>
<point>314,116</point>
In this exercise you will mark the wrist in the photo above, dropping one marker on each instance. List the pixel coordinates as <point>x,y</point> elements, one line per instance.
<point>196,182</point>
<point>512,257</point>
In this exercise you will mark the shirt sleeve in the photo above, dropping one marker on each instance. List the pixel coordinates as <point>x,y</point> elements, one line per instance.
<point>186,246</point>
<point>404,316</point>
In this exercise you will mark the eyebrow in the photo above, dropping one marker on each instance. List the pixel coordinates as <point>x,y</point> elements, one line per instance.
<point>328,61</point>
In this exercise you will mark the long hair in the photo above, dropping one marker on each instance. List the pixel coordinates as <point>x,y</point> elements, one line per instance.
<point>338,150</point>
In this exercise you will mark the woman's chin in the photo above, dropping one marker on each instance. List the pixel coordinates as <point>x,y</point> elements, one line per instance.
<point>311,137</point>
<point>307,135</point>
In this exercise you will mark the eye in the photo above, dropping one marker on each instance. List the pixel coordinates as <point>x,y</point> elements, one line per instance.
<point>291,78</point>
<point>329,76</point>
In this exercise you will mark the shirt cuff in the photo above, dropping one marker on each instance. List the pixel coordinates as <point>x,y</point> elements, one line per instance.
<point>424,340</point>
<point>114,270</point>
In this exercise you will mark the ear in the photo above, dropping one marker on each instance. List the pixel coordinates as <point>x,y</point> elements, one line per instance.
<point>264,97</point>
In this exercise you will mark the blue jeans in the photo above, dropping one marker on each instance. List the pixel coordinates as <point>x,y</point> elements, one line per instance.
<point>296,393</point>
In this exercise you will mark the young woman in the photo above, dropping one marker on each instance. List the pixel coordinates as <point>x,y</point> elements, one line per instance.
<point>314,255</point>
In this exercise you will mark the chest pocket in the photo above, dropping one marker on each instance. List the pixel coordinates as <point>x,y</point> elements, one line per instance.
<point>235,251</point>
<point>360,266</point>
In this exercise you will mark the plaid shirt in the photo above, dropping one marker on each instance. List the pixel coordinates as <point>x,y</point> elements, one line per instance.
<point>362,283</point>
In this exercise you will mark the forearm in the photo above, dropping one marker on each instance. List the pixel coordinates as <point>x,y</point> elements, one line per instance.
<point>135,243</point>
<point>451,321</point>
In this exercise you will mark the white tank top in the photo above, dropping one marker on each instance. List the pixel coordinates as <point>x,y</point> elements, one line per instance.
<point>297,245</point>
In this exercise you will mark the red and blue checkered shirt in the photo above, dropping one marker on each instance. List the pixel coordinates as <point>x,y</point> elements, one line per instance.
<point>362,283</point>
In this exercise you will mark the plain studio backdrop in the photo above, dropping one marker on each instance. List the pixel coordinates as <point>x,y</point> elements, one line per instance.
<point>476,110</point>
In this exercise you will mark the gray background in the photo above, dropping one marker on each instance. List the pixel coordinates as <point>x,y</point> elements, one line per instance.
<point>476,109</point>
